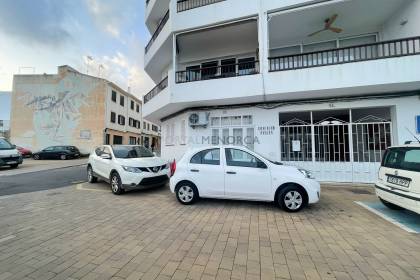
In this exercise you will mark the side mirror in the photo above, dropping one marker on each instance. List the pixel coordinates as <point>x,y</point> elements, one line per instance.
<point>13,146</point>
<point>106,156</point>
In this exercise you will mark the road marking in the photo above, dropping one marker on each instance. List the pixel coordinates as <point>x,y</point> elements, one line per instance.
<point>385,217</point>
<point>81,188</point>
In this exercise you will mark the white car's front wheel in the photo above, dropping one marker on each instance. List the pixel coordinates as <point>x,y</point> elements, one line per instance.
<point>292,199</point>
<point>186,193</point>
<point>116,184</point>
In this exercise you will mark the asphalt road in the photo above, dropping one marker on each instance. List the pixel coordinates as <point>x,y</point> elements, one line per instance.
<point>42,180</point>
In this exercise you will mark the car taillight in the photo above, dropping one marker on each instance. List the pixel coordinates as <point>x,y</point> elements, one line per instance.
<point>173,168</point>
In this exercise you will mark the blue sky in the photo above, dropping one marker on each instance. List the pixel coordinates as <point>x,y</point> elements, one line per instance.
<point>37,36</point>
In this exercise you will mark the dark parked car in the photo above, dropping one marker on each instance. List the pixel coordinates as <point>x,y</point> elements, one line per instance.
<point>58,152</point>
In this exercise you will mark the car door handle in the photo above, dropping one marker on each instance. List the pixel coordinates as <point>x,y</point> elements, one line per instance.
<point>195,170</point>
<point>231,172</point>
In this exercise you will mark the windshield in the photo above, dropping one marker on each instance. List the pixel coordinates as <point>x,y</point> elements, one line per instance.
<point>5,145</point>
<point>403,158</point>
<point>131,152</point>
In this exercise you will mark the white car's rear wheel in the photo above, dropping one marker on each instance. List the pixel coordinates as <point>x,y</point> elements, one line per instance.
<point>91,178</point>
<point>186,193</point>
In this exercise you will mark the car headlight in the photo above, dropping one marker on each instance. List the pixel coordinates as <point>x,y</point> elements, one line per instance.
<point>131,169</point>
<point>306,173</point>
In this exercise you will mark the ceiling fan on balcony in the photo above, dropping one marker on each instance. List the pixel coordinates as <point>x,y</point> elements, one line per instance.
<point>328,26</point>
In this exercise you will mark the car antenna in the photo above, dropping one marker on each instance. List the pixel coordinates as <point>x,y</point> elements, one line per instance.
<point>415,137</point>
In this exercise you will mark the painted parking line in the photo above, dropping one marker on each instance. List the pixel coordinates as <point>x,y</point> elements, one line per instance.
<point>406,220</point>
<point>80,187</point>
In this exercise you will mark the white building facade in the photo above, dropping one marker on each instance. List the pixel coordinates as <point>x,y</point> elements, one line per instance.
<point>257,73</point>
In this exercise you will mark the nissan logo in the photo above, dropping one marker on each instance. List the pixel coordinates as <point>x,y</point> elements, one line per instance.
<point>155,169</point>
<point>396,172</point>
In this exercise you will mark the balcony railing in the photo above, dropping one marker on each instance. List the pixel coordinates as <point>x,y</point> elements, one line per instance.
<point>158,30</point>
<point>184,5</point>
<point>373,51</point>
<point>155,91</point>
<point>218,72</point>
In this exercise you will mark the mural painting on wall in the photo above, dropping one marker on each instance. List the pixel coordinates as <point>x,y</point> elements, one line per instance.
<point>56,109</point>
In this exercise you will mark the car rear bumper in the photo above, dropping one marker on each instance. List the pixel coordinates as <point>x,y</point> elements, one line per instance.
<point>407,200</point>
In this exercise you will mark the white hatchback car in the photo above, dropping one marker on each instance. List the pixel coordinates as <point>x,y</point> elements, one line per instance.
<point>127,168</point>
<point>232,172</point>
<point>398,184</point>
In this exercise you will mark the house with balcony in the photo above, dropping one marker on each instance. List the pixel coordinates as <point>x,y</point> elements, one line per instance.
<point>323,85</point>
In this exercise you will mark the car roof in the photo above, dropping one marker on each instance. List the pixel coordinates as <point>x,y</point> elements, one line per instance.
<point>411,145</point>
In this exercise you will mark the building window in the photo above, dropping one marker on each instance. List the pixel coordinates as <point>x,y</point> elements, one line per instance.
<point>121,120</point>
<point>117,140</point>
<point>247,120</point>
<point>122,100</point>
<point>246,66</point>
<point>215,121</point>
<point>107,139</point>
<point>132,105</point>
<point>138,108</point>
<point>112,117</point>
<point>144,125</point>
<point>215,137</point>
<point>138,124</point>
<point>148,126</point>
<point>114,96</point>
<point>132,140</point>
<point>130,121</point>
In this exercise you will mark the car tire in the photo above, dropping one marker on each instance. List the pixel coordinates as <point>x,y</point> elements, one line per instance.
<point>13,166</point>
<point>91,178</point>
<point>186,193</point>
<point>36,157</point>
<point>390,205</point>
<point>116,184</point>
<point>63,157</point>
<point>292,199</point>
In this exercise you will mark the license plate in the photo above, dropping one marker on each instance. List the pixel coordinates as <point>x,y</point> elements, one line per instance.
<point>11,162</point>
<point>399,181</point>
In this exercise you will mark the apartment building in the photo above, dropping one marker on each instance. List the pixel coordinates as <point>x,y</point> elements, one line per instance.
<point>325,85</point>
<point>71,108</point>
<point>4,113</point>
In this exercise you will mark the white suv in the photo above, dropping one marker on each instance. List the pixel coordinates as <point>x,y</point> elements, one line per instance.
<point>398,184</point>
<point>127,168</point>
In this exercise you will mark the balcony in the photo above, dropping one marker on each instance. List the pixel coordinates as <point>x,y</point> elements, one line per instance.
<point>156,90</point>
<point>226,70</point>
<point>184,5</point>
<point>358,53</point>
<point>157,31</point>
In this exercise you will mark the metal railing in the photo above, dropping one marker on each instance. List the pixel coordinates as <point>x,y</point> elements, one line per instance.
<point>156,90</point>
<point>373,51</point>
<point>218,72</point>
<point>157,31</point>
<point>184,5</point>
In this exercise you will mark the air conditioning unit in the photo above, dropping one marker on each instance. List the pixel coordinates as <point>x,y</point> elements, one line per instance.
<point>197,119</point>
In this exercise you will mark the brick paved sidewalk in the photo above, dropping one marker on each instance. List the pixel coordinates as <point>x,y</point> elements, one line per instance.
<point>81,234</point>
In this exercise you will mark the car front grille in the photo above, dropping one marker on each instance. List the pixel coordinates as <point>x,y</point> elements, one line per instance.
<point>154,180</point>
<point>153,169</point>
